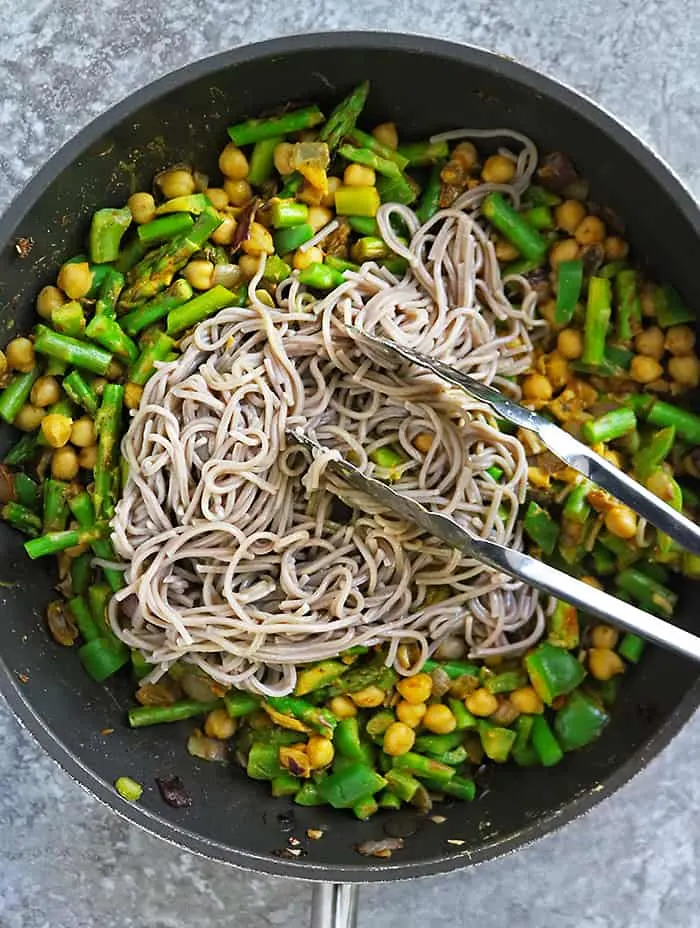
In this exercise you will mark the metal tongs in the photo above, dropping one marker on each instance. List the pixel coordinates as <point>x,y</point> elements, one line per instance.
<point>516,563</point>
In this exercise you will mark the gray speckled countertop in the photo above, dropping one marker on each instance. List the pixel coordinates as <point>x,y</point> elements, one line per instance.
<point>65,861</point>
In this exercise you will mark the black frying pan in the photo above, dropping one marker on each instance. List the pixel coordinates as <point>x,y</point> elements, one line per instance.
<point>425,86</point>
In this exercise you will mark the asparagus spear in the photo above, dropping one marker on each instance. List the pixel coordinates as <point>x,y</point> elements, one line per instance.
<point>21,518</point>
<point>262,160</point>
<point>108,333</point>
<point>165,228</point>
<point>107,422</point>
<point>53,542</point>
<point>79,354</point>
<point>201,307</point>
<point>80,392</point>
<point>55,505</point>
<point>112,286</point>
<point>343,118</point>
<point>108,227</point>
<point>178,292</point>
<point>597,321</point>
<point>82,508</point>
<point>255,130</point>
<point>69,319</point>
<point>156,350</point>
<point>361,139</point>
<point>23,451</point>
<point>430,198</point>
<point>16,393</point>
<point>370,159</point>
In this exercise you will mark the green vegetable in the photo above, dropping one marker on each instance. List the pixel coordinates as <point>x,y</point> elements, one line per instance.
<point>361,139</point>
<point>512,226</point>
<point>539,196</point>
<point>26,491</point>
<point>107,423</point>
<point>320,277</point>
<point>140,716</point>
<point>540,217</point>
<point>569,284</point>
<point>597,321</point>
<point>430,198</point>
<point>398,189</point>
<point>157,350</point>
<point>256,130</point>
<point>604,562</point>
<point>453,669</point>
<point>309,795</point>
<point>195,203</point>
<point>346,787</point>
<point>289,239</point>
<point>318,675</point>
<point>356,201</point>
<point>364,225</point>
<point>321,720</point>
<point>687,424</point>
<point>629,309</point>
<point>365,808</point>
<point>286,214</point>
<point>562,626</point>
<point>522,751</point>
<point>421,767</point>
<point>178,292</point>
<point>370,248</point>
<point>263,762</point>
<point>576,509</point>
<point>505,682</point>
<point>106,231</point>
<point>371,159</point>
<point>16,393</point>
<point>239,703</point>
<point>389,800</point>
<point>262,160</point>
<point>69,319</point>
<point>21,518</point>
<point>101,658</point>
<point>402,783</point>
<point>82,508</point>
<point>545,744</point>
<point>108,333</point>
<point>378,723</point>
<point>343,118</point>
<point>87,626</point>
<point>552,671</point>
<point>460,787</point>
<point>53,542</point>
<point>55,505</point>
<point>462,715</point>
<point>292,185</point>
<point>164,228</point>
<point>540,527</point>
<point>418,154</point>
<point>128,789</point>
<point>23,451</point>
<point>651,595</point>
<point>340,264</point>
<point>387,457</point>
<point>130,255</point>
<point>359,678</point>
<point>346,739</point>
<point>438,744</point>
<point>610,425</point>
<point>670,308</point>
<point>285,784</point>
<point>201,307</point>
<point>652,455</point>
<point>80,392</point>
<point>631,647</point>
<point>496,741</point>
<point>74,352</point>
<point>579,722</point>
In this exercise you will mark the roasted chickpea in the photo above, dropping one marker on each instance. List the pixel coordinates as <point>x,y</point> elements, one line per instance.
<point>359,175</point>
<point>302,259</point>
<point>569,215</point>
<point>570,344</point>
<point>88,457</point>
<point>233,163</point>
<point>416,689</point>
<point>680,340</point>
<point>410,713</point>
<point>685,370</point>
<point>142,207</point>
<point>590,231</point>
<point>565,250</point>
<point>387,134</point>
<point>29,418</point>
<point>604,636</point>
<point>320,751</point>
<point>644,369</point>
<point>604,664</point>
<point>526,700</point>
<point>64,463</point>
<point>259,241</point>
<point>49,298</point>
<point>481,703</point>
<point>536,388</point>
<point>368,698</point>
<point>621,522</point>
<point>20,355</point>
<point>342,707</point>
<point>218,196</point>
<point>650,342</point>
<point>46,391</point>
<point>439,719</point>
<point>319,216</point>
<point>75,279</point>
<point>83,433</point>
<point>199,274</point>
<point>616,248</point>
<point>498,169</point>
<point>283,158</point>
<point>399,739</point>
<point>219,724</point>
<point>177,182</point>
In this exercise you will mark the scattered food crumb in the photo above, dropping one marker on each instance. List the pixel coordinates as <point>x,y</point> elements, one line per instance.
<point>383,848</point>
<point>128,788</point>
<point>438,819</point>
<point>173,791</point>
<point>23,677</point>
<point>23,246</point>
<point>293,852</point>
<point>107,731</point>
<point>457,841</point>
<point>313,834</point>
<point>294,842</point>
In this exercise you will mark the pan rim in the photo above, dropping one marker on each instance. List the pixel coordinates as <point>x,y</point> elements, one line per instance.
<point>10,687</point>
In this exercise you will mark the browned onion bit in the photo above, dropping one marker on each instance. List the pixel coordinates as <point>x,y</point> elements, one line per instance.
<point>7,485</point>
<point>243,223</point>
<point>173,791</point>
<point>61,624</point>
<point>199,745</point>
<point>556,171</point>
<point>382,848</point>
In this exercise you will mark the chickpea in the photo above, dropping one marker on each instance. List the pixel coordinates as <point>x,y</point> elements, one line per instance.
<point>685,370</point>
<point>399,739</point>
<point>590,231</point>
<point>56,429</point>
<point>570,344</point>
<point>359,175</point>
<point>650,342</point>
<point>282,157</point>
<point>302,259</point>
<point>239,192</point>
<point>423,442</point>
<point>439,719</point>
<point>505,252</point>
<point>498,169</point>
<point>416,689</point>
<point>537,388</point>
<point>28,419</point>
<point>547,310</point>
<point>644,369</point>
<point>233,163</point>
<point>604,636</point>
<point>310,195</point>
<point>569,215</point>
<point>342,707</point>
<point>49,298</point>
<point>83,434</point>
<point>320,751</point>
<point>132,395</point>
<point>249,266</point>
<point>177,182</point>
<point>142,207</point>
<point>526,700</point>
<point>218,196</point>
<point>368,698</point>
<point>319,216</point>
<point>387,134</point>
<point>259,242</point>
<point>565,250</point>
<point>481,703</point>
<point>87,457</point>
<point>64,463</point>
<point>225,233</point>
<point>557,370</point>
<point>466,155</point>
<point>45,392</point>
<point>604,664</point>
<point>20,355</point>
<point>75,279</point>
<point>199,273</point>
<point>616,248</point>
<point>219,724</point>
<point>410,713</point>
<point>680,340</point>
<point>621,522</point>
<point>328,199</point>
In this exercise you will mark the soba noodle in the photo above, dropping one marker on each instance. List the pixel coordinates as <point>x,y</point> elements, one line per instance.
<point>240,558</point>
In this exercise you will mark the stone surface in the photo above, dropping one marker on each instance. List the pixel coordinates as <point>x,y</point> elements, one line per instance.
<point>65,861</point>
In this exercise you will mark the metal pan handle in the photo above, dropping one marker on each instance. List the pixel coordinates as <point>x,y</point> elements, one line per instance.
<point>334,905</point>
